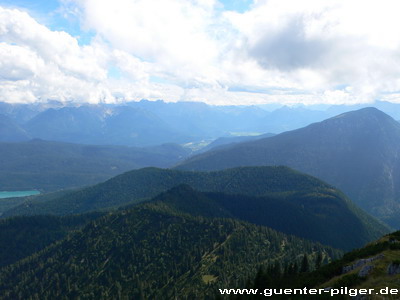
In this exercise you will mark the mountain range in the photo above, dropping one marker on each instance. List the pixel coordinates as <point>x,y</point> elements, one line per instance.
<point>357,152</point>
<point>239,213</point>
<point>276,197</point>
<point>121,125</point>
<point>146,123</point>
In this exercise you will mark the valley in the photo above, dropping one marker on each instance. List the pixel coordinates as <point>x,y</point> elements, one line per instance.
<point>173,221</point>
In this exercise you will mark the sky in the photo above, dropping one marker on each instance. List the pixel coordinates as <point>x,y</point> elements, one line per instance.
<point>237,52</point>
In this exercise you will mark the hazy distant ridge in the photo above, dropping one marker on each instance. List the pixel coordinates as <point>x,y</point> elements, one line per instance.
<point>357,152</point>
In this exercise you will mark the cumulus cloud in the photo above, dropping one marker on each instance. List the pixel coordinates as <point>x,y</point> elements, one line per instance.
<point>177,36</point>
<point>56,47</point>
<point>18,63</point>
<point>38,64</point>
<point>322,45</point>
<point>308,51</point>
<point>289,48</point>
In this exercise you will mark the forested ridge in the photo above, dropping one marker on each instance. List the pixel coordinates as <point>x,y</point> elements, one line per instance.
<point>152,251</point>
<point>200,232</point>
<point>320,216</point>
<point>308,207</point>
<point>357,152</point>
<point>137,185</point>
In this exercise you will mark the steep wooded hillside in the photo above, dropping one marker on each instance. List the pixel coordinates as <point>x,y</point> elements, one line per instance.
<point>358,152</point>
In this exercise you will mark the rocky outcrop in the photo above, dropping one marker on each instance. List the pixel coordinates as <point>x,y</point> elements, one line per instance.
<point>364,272</point>
<point>360,262</point>
<point>393,268</point>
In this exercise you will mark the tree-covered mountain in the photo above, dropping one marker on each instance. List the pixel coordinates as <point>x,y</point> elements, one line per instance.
<point>21,237</point>
<point>312,208</point>
<point>325,218</point>
<point>45,165</point>
<point>153,251</point>
<point>358,152</point>
<point>11,202</point>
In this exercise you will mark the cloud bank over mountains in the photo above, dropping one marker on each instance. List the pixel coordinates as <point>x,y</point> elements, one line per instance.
<point>285,51</point>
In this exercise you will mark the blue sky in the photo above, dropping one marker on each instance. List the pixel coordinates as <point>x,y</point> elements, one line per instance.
<point>237,5</point>
<point>220,52</point>
<point>39,5</point>
<point>49,12</point>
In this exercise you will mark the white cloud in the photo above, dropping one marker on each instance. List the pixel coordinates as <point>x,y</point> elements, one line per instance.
<point>332,51</point>
<point>37,63</point>
<point>55,47</point>
<point>18,63</point>
<point>321,45</point>
<point>175,34</point>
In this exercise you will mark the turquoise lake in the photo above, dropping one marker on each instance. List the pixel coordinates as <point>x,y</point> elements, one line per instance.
<point>18,194</point>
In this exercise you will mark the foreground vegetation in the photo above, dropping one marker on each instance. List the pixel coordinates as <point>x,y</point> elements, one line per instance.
<point>157,250</point>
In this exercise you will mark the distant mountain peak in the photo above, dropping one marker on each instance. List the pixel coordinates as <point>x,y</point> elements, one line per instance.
<point>357,151</point>
<point>364,112</point>
<point>362,122</point>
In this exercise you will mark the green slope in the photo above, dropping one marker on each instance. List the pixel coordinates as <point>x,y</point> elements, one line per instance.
<point>23,236</point>
<point>381,257</point>
<point>152,251</point>
<point>324,217</point>
<point>136,185</point>
<point>10,203</point>
<point>309,207</point>
<point>358,152</point>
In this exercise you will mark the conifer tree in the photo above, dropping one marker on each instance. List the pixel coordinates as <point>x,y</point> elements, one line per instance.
<point>305,265</point>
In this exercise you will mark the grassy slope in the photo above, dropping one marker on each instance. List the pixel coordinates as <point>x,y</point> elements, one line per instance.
<point>378,278</point>
<point>386,250</point>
